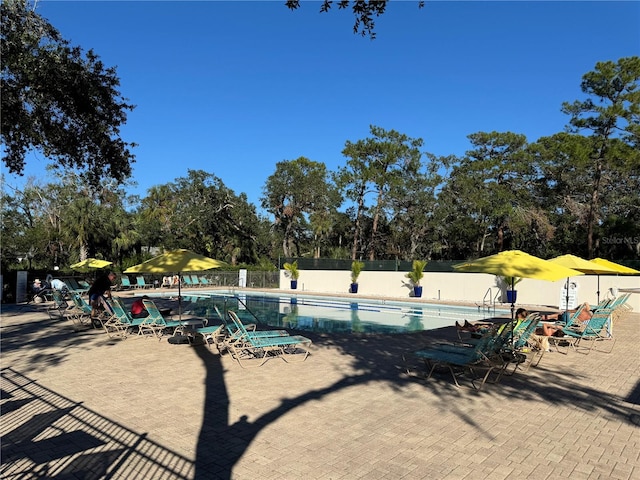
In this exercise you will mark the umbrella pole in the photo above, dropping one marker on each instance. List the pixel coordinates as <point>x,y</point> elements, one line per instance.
<point>598,291</point>
<point>566,305</point>
<point>179,296</point>
<point>513,317</point>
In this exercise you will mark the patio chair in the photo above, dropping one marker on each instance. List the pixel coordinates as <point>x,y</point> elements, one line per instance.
<point>122,315</point>
<point>254,350</point>
<point>115,325</point>
<point>594,330</point>
<point>195,281</point>
<point>481,356</point>
<point>74,287</point>
<point>237,327</point>
<point>125,283</point>
<point>186,281</point>
<point>204,281</point>
<point>155,323</point>
<point>141,282</point>
<point>60,307</point>
<point>80,312</point>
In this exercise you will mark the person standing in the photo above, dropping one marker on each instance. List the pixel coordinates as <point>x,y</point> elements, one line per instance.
<point>98,293</point>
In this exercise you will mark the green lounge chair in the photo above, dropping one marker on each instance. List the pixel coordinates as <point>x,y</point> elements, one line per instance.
<point>594,330</point>
<point>252,349</point>
<point>479,357</point>
<point>125,283</point>
<point>117,325</point>
<point>122,315</point>
<point>141,282</point>
<point>155,323</point>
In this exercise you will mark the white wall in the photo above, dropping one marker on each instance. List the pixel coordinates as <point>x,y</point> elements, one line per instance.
<point>459,287</point>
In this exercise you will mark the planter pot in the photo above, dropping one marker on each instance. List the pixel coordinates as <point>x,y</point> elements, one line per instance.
<point>512,296</point>
<point>417,291</point>
<point>294,284</point>
<point>354,288</point>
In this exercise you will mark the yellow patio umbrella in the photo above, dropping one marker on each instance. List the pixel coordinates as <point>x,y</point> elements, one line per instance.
<point>584,266</point>
<point>176,261</point>
<point>620,269</point>
<point>89,264</point>
<point>616,266</point>
<point>515,263</point>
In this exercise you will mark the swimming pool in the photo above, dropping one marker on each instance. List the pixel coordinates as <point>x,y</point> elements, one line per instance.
<point>331,314</point>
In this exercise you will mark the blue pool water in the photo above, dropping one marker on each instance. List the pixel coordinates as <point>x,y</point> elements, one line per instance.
<point>331,314</point>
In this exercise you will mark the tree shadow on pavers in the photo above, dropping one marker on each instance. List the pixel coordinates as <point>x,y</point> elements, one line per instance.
<point>375,358</point>
<point>379,358</point>
<point>48,337</point>
<point>47,435</point>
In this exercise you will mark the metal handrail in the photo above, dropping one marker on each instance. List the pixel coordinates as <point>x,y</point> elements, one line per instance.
<point>491,303</point>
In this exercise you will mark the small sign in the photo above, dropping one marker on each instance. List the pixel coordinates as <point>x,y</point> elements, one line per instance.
<point>242,278</point>
<point>572,296</point>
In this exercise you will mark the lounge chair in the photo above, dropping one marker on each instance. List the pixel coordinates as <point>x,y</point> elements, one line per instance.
<point>251,349</point>
<point>481,356</point>
<point>60,307</point>
<point>125,283</point>
<point>186,280</point>
<point>80,312</point>
<point>155,323</point>
<point>195,281</point>
<point>116,324</point>
<point>122,315</point>
<point>236,328</point>
<point>74,287</point>
<point>204,281</point>
<point>141,283</point>
<point>594,330</point>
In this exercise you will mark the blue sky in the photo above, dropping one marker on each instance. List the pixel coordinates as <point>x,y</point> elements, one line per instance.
<point>234,87</point>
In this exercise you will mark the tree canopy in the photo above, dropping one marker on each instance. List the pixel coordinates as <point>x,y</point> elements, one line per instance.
<point>574,191</point>
<point>364,12</point>
<point>59,101</point>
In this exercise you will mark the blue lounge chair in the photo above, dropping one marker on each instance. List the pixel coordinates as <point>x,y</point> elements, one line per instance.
<point>237,327</point>
<point>122,315</point>
<point>125,283</point>
<point>594,330</point>
<point>60,305</point>
<point>251,349</point>
<point>155,323</point>
<point>116,325</point>
<point>473,359</point>
<point>141,283</point>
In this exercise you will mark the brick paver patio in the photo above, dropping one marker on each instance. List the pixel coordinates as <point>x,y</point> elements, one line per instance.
<point>83,406</point>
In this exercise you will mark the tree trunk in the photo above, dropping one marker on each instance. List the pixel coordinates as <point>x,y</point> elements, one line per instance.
<point>593,207</point>
<point>356,233</point>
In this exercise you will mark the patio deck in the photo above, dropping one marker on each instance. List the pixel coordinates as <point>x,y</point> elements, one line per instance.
<point>81,405</point>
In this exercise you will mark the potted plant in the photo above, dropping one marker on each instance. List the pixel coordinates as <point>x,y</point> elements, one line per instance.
<point>356,268</point>
<point>510,283</point>
<point>415,275</point>
<point>294,273</point>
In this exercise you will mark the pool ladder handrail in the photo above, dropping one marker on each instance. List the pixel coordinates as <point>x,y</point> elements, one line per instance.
<point>489,300</point>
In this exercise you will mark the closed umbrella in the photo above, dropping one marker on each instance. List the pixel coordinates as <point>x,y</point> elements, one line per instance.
<point>176,261</point>
<point>584,266</point>
<point>514,263</point>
